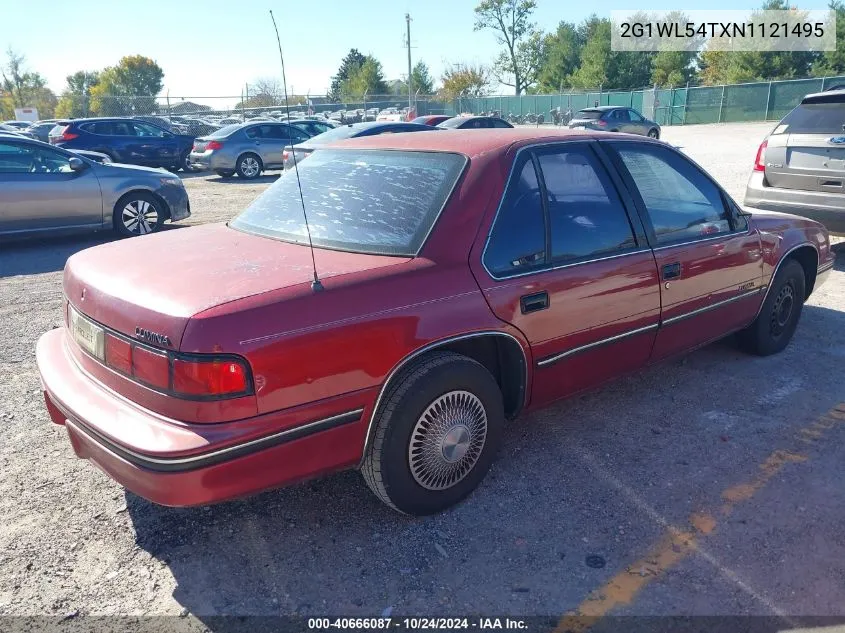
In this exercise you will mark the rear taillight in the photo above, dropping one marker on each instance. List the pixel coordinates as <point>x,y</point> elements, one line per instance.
<point>192,376</point>
<point>761,156</point>
<point>285,155</point>
<point>601,123</point>
<point>63,137</point>
<point>209,377</point>
<point>214,145</point>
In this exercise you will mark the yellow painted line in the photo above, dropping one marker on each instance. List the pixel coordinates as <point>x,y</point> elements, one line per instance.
<point>677,544</point>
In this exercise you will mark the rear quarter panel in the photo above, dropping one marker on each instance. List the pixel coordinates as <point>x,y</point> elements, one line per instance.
<point>781,232</point>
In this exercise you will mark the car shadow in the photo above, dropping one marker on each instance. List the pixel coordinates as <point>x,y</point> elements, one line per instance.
<point>264,178</point>
<point>49,254</point>
<point>518,543</point>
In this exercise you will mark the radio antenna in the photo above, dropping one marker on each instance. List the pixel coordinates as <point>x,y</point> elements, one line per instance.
<point>316,285</point>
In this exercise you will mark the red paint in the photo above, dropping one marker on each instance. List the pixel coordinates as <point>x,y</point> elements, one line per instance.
<point>317,355</point>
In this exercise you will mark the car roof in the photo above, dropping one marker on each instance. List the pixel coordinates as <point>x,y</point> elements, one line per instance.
<point>604,107</point>
<point>821,97</point>
<point>470,142</point>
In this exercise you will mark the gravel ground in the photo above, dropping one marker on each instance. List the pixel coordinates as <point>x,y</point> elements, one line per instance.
<point>706,486</point>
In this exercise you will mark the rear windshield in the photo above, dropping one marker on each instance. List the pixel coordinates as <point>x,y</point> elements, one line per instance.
<point>367,201</point>
<point>814,118</point>
<point>454,122</point>
<point>335,134</point>
<point>588,114</point>
<point>226,130</point>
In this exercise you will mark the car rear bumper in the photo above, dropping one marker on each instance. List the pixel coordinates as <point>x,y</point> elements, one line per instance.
<point>821,206</point>
<point>147,453</point>
<point>211,161</point>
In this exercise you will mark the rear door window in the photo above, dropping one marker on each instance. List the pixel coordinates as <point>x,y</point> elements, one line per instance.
<point>122,128</point>
<point>682,203</point>
<point>103,128</point>
<point>586,216</point>
<point>16,159</point>
<point>517,242</point>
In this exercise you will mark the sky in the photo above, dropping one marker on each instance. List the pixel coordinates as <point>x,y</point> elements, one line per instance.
<point>212,48</point>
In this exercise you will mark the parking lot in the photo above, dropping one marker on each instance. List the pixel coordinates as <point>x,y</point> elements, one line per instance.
<point>711,485</point>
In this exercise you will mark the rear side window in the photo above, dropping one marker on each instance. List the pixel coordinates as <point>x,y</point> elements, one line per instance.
<point>814,118</point>
<point>586,216</point>
<point>518,240</point>
<point>681,201</point>
<point>104,128</point>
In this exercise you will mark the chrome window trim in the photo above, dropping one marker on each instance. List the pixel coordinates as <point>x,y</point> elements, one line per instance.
<point>712,306</point>
<point>533,146</point>
<point>777,268</point>
<point>427,348</point>
<point>583,348</point>
<point>720,236</point>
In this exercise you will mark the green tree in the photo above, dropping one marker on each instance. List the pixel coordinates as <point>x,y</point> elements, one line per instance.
<point>464,80</point>
<point>353,59</point>
<point>76,97</point>
<point>522,57</point>
<point>421,79</point>
<point>563,52</point>
<point>833,62</point>
<point>612,70</point>
<point>363,80</point>
<point>22,88</point>
<point>670,69</point>
<point>130,87</point>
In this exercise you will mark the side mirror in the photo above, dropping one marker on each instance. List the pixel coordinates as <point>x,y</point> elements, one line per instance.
<point>76,164</point>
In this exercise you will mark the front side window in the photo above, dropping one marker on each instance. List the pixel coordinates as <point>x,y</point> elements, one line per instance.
<point>370,201</point>
<point>586,216</point>
<point>635,116</point>
<point>681,201</point>
<point>517,241</point>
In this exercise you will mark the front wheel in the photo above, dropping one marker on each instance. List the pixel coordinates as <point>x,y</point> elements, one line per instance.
<point>436,434</point>
<point>653,133</point>
<point>248,166</point>
<point>138,213</point>
<point>774,326</point>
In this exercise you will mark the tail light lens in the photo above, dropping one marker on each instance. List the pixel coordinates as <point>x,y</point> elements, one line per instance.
<point>64,136</point>
<point>214,145</point>
<point>601,123</point>
<point>191,376</point>
<point>285,155</point>
<point>761,156</point>
<point>209,377</point>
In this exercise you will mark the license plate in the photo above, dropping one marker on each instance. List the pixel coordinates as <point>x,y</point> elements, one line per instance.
<point>88,335</point>
<point>579,127</point>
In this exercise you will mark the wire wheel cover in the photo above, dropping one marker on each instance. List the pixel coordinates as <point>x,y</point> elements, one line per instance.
<point>447,440</point>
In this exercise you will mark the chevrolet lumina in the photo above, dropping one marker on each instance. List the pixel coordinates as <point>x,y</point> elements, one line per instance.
<point>463,278</point>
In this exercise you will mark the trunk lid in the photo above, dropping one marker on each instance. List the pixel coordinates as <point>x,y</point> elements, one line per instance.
<point>158,282</point>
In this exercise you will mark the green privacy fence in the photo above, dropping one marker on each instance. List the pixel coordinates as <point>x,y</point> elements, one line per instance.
<point>760,101</point>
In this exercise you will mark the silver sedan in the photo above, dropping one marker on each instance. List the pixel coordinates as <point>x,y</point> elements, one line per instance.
<point>246,149</point>
<point>45,189</point>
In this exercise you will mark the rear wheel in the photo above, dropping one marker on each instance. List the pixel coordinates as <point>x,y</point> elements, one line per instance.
<point>138,213</point>
<point>249,166</point>
<point>185,162</point>
<point>436,434</point>
<point>774,326</point>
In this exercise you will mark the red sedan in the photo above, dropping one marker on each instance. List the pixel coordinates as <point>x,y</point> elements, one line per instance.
<point>463,279</point>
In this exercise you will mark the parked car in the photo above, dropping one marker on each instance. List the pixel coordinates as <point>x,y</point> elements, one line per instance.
<point>125,141</point>
<point>800,166</point>
<point>301,151</point>
<point>11,129</point>
<point>473,123</point>
<point>311,126</point>
<point>20,125</point>
<point>41,129</point>
<point>461,279</point>
<point>246,149</point>
<point>46,189</point>
<point>614,119</point>
<point>431,119</point>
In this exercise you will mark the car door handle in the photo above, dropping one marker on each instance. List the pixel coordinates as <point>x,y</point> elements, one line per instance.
<point>533,303</point>
<point>672,271</point>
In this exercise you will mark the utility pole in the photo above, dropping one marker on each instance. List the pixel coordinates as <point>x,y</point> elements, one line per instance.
<point>408,43</point>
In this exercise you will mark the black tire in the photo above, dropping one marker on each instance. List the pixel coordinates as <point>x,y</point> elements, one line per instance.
<point>139,202</point>
<point>387,466</point>
<point>185,163</point>
<point>243,167</point>
<point>654,133</point>
<point>774,326</point>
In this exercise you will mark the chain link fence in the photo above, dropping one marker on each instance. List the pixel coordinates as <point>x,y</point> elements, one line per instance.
<point>760,101</point>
